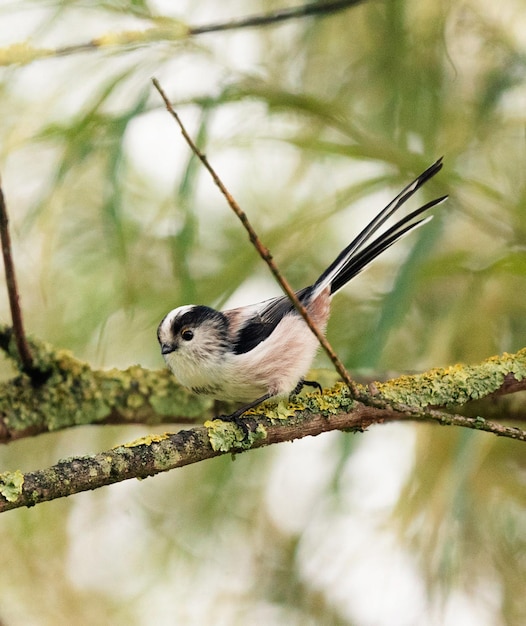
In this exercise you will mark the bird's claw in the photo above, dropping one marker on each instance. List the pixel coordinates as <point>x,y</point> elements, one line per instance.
<point>245,424</point>
<point>306,383</point>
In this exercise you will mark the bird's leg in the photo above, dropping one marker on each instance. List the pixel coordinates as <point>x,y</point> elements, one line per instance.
<point>239,412</point>
<point>235,417</point>
<point>306,383</point>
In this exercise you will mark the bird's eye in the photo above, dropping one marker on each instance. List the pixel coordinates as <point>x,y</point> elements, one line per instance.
<point>187,334</point>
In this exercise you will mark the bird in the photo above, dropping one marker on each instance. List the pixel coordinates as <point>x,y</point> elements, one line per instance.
<point>264,350</point>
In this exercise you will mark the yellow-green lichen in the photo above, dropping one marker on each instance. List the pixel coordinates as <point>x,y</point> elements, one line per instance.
<point>69,395</point>
<point>11,484</point>
<point>21,54</point>
<point>72,393</point>
<point>281,411</point>
<point>165,30</point>
<point>332,401</point>
<point>457,384</point>
<point>227,436</point>
<point>145,441</point>
<point>335,400</point>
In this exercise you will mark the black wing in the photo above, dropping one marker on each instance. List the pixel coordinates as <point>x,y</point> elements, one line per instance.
<point>265,319</point>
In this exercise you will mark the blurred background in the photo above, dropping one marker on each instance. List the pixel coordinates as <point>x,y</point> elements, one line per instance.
<point>313,125</point>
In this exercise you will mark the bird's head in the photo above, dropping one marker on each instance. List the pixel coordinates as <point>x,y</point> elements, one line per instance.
<point>193,333</point>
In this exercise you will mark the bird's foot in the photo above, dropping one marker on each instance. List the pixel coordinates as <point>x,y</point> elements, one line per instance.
<point>245,424</point>
<point>306,383</point>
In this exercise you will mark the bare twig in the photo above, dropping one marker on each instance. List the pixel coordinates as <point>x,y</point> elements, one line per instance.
<point>179,31</point>
<point>251,21</point>
<point>22,346</point>
<point>263,252</point>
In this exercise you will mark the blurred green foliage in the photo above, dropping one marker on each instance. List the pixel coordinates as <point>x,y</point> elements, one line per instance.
<point>313,126</point>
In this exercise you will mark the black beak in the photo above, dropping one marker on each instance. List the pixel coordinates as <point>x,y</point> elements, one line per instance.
<point>166,348</point>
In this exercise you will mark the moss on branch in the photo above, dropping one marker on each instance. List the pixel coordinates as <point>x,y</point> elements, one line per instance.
<point>459,384</point>
<point>70,393</point>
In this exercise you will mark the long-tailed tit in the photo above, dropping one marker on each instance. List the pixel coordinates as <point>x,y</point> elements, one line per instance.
<point>255,352</point>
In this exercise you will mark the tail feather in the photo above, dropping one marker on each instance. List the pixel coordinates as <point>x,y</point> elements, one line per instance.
<point>355,257</point>
<point>359,261</point>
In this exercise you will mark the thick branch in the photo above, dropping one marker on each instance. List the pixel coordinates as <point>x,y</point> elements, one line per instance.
<point>75,394</point>
<point>147,457</point>
<point>154,454</point>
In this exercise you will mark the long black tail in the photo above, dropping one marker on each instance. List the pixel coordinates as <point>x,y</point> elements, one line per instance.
<point>357,255</point>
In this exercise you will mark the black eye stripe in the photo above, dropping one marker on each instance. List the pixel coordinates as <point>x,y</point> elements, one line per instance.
<point>186,326</point>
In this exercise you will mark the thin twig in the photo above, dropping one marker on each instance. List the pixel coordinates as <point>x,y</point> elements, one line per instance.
<point>14,301</point>
<point>319,9</point>
<point>476,423</point>
<point>305,10</point>
<point>264,253</point>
